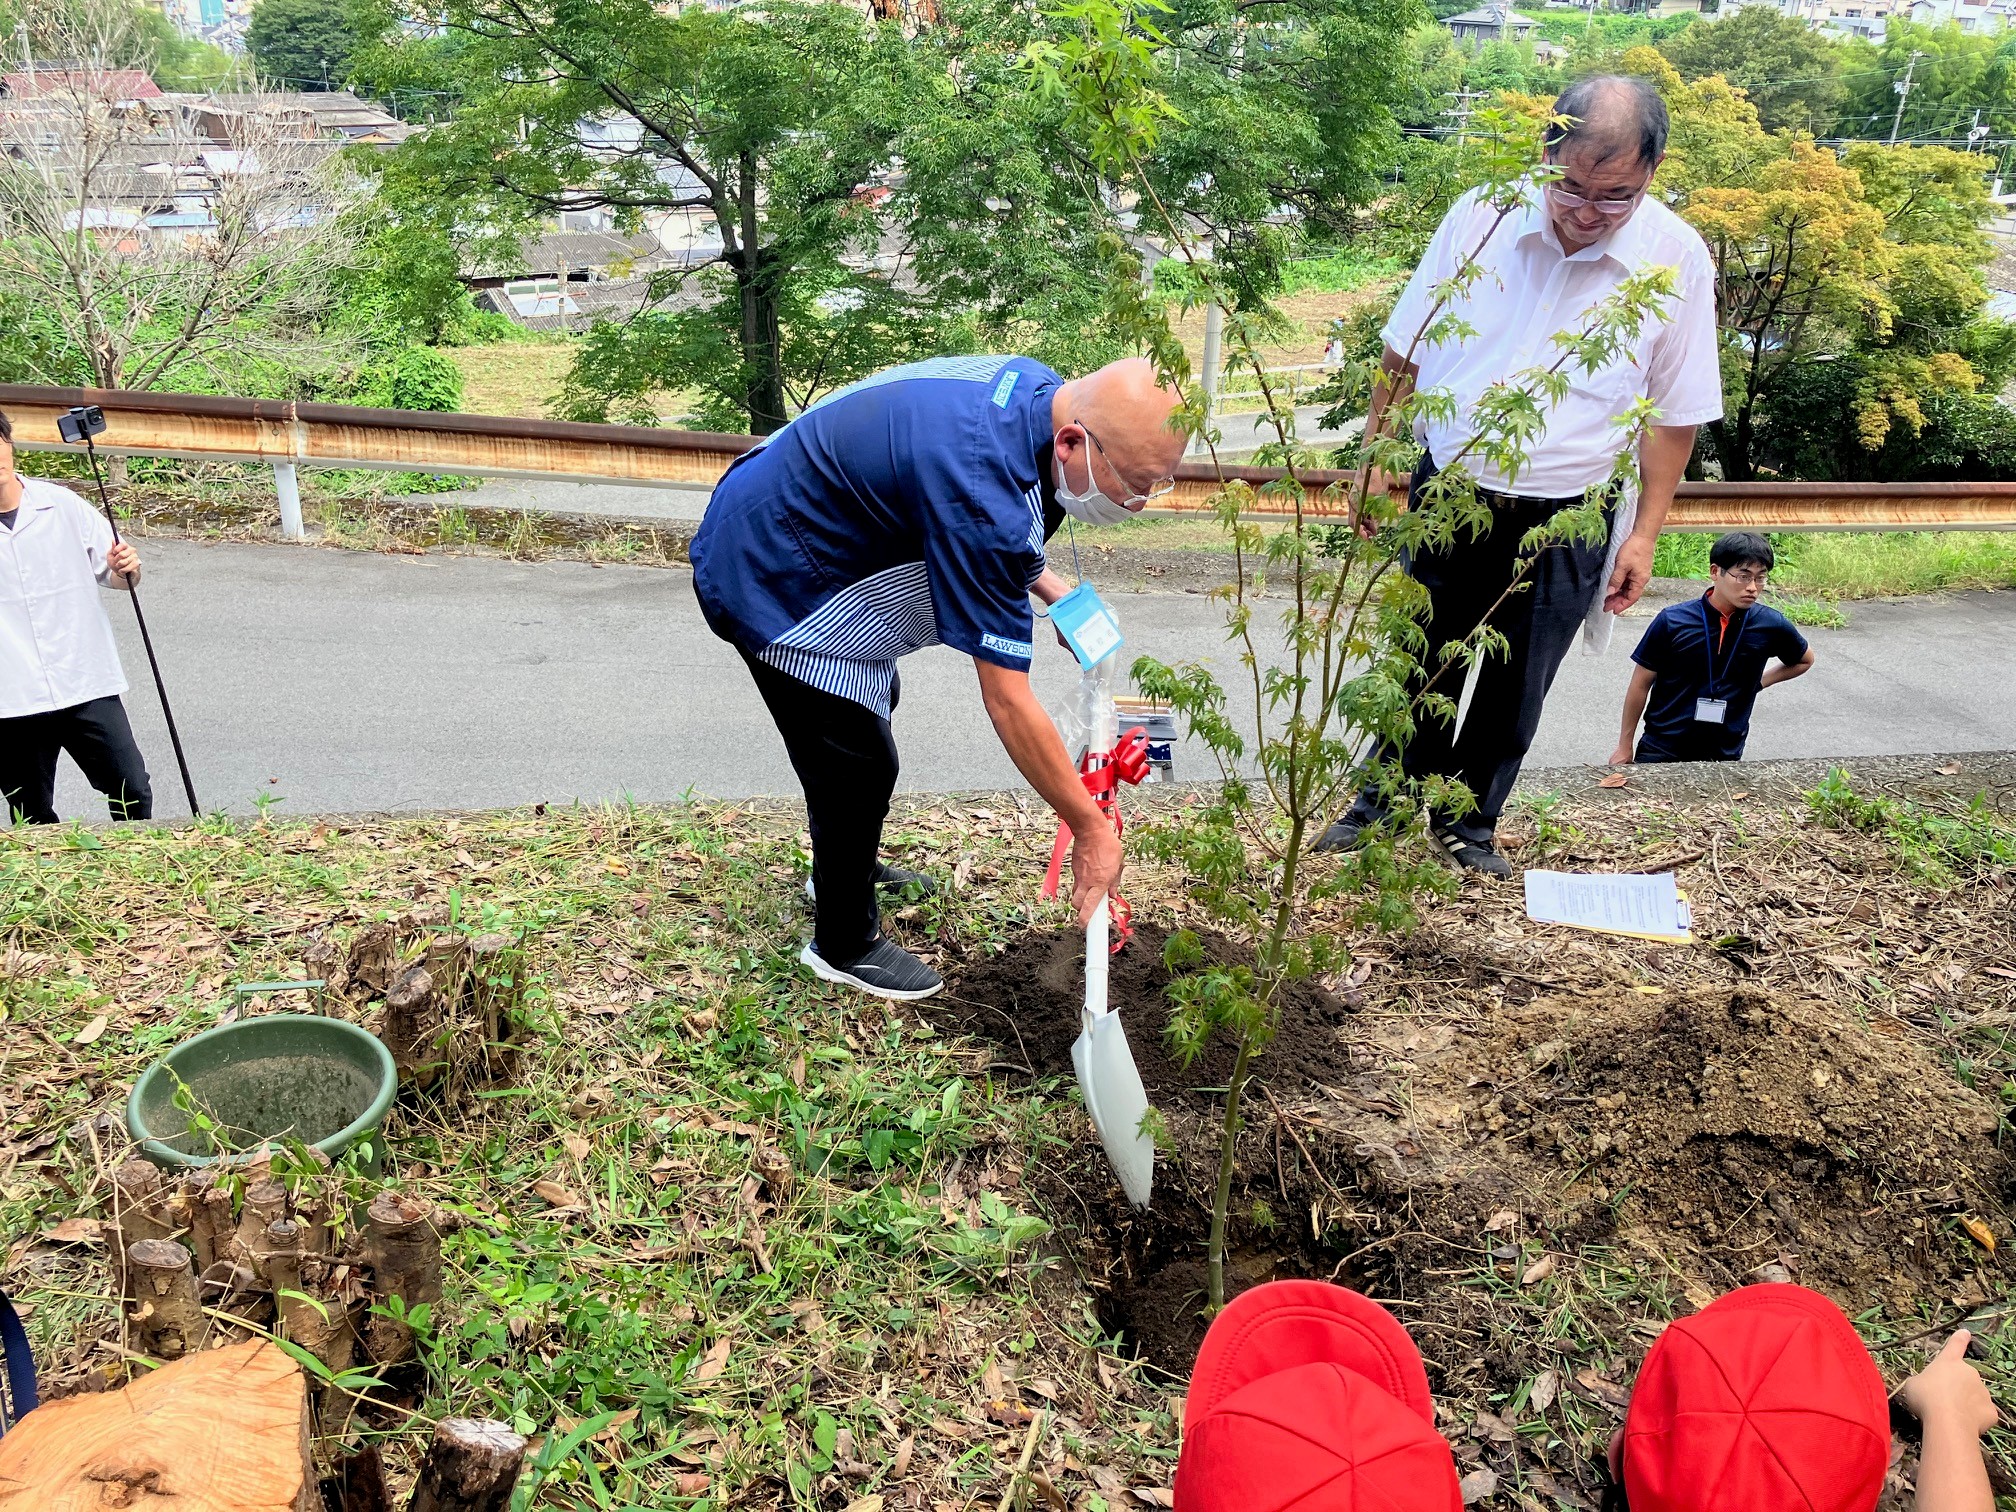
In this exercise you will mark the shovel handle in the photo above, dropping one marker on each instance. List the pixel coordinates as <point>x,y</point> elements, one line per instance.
<point>1097,959</point>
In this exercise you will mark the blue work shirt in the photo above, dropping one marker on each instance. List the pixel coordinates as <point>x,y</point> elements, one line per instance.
<point>904,511</point>
<point>1693,654</point>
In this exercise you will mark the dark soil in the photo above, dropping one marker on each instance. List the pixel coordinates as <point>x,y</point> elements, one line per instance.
<point>1029,998</point>
<point>1701,1140</point>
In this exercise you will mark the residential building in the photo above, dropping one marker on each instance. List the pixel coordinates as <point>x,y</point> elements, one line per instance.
<point>1494,22</point>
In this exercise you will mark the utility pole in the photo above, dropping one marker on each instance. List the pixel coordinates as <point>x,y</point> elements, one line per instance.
<point>1462,112</point>
<point>1903,88</point>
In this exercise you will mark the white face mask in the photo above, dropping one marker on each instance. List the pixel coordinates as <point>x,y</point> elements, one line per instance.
<point>1093,506</point>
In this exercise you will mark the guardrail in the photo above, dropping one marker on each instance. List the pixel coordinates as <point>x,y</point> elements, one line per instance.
<point>287,435</point>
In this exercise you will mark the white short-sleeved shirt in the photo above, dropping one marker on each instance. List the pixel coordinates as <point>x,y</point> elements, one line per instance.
<point>1529,290</point>
<point>56,646</point>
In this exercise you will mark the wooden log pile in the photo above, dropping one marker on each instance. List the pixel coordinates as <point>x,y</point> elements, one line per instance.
<point>228,1430</point>
<point>449,1003</point>
<point>253,1244</point>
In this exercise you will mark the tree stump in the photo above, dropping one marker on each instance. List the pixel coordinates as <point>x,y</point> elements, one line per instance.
<point>471,1466</point>
<point>143,1204</point>
<point>374,956</point>
<point>412,1028</point>
<point>224,1430</point>
<point>402,1245</point>
<point>167,1316</point>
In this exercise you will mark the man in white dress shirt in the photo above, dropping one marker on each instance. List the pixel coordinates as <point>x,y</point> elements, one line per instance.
<point>1546,266</point>
<point>60,678</point>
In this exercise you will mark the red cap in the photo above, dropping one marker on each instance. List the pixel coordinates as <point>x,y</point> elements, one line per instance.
<point>1311,1398</point>
<point>1764,1400</point>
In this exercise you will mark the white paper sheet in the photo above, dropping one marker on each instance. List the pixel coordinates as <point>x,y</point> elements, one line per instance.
<point>1613,902</point>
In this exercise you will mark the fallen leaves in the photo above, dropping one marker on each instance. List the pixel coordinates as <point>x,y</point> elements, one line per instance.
<point>85,1231</point>
<point>557,1196</point>
<point>1538,1271</point>
<point>1609,1393</point>
<point>1477,1485</point>
<point>713,1362</point>
<point>576,1146</point>
<point>1614,780</point>
<point>1546,1386</point>
<point>1980,1233</point>
<point>90,1032</point>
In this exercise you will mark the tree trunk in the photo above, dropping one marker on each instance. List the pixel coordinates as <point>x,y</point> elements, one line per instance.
<point>471,1466</point>
<point>223,1430</point>
<point>357,1483</point>
<point>167,1313</point>
<point>402,1245</point>
<point>1734,454</point>
<point>762,346</point>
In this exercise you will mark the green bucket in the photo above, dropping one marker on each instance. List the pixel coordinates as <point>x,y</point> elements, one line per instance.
<point>267,1081</point>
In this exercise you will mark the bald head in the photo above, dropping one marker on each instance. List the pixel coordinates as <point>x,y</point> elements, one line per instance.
<point>1128,411</point>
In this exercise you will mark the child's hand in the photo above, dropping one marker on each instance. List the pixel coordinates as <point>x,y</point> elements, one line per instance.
<point>1951,1390</point>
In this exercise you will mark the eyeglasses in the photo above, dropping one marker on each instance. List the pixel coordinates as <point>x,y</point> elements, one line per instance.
<point>1748,579</point>
<point>1569,201</point>
<point>1161,488</point>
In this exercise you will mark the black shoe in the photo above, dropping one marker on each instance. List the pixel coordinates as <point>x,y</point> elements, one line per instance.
<point>888,878</point>
<point>886,971</point>
<point>1344,835</point>
<point>1472,855</point>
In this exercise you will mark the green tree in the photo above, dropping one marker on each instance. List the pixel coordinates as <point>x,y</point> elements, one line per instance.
<point>301,44</point>
<point>138,36</point>
<point>1791,72</point>
<point>1956,75</point>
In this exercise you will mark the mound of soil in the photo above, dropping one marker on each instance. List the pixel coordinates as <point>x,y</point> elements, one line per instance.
<point>1703,1141</point>
<point>1734,1130</point>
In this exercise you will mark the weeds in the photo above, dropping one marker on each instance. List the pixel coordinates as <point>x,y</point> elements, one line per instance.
<point>1941,847</point>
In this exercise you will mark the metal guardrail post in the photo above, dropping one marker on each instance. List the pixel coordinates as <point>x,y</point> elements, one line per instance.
<point>287,483</point>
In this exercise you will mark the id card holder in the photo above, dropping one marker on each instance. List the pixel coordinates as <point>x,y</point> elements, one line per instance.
<point>1711,710</point>
<point>1087,625</point>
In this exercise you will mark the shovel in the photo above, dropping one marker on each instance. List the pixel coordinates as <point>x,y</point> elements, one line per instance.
<point>1107,1075</point>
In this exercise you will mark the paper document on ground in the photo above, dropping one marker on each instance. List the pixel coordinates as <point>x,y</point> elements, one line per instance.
<point>1626,903</point>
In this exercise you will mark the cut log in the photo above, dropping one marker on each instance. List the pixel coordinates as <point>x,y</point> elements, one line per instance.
<point>265,1205</point>
<point>402,1245</point>
<point>325,961</point>
<point>373,956</point>
<point>223,1430</point>
<point>166,1315</point>
<point>413,1026</point>
<point>357,1482</point>
<point>143,1203</point>
<point>471,1466</point>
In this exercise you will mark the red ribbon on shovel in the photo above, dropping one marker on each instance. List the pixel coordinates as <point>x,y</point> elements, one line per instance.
<point>1102,772</point>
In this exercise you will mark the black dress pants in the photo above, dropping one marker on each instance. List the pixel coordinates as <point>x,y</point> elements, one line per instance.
<point>845,756</point>
<point>98,739</point>
<point>1539,623</point>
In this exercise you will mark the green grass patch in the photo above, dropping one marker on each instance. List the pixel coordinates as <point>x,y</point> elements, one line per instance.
<point>1863,564</point>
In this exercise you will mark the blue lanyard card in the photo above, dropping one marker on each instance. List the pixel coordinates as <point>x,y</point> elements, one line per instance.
<point>1087,625</point>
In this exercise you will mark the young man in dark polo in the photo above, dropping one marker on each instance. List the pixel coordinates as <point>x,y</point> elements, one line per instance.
<point>1702,663</point>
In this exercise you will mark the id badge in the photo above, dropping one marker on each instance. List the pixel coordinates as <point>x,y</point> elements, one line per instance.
<point>1711,710</point>
<point>1089,628</point>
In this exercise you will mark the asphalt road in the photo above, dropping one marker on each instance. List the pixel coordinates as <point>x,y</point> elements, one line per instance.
<point>344,681</point>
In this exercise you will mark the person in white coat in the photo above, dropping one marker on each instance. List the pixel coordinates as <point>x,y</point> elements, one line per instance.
<point>60,678</point>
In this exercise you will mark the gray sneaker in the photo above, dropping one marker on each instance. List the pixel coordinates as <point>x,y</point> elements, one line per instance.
<point>1472,855</point>
<point>886,971</point>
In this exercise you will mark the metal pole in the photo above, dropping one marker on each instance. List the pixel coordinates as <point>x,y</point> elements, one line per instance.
<point>287,483</point>
<point>133,592</point>
<point>1903,93</point>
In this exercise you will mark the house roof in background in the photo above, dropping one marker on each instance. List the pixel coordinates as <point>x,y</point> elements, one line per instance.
<point>119,83</point>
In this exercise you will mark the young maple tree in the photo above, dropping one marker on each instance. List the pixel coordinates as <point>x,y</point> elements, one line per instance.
<point>1340,671</point>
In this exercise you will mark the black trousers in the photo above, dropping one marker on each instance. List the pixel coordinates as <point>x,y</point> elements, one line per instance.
<point>1539,623</point>
<point>98,739</point>
<point>845,756</point>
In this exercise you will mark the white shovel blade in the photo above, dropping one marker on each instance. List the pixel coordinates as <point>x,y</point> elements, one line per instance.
<point>1108,1077</point>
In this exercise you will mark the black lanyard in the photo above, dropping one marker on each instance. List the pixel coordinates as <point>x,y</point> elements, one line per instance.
<point>1708,645</point>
